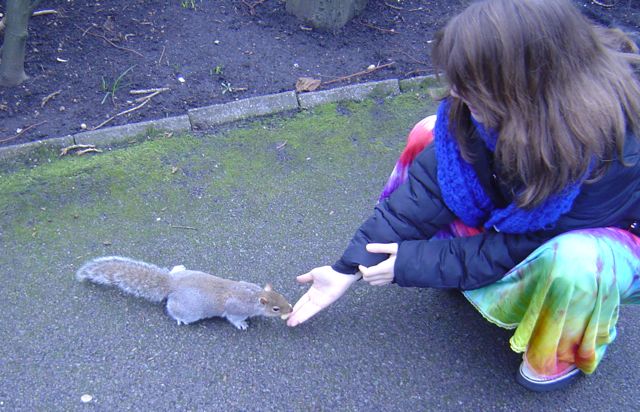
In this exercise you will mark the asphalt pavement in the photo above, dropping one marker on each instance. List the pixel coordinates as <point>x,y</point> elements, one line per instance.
<point>262,200</point>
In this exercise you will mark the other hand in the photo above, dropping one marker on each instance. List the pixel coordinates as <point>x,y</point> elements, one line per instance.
<point>328,285</point>
<point>382,273</point>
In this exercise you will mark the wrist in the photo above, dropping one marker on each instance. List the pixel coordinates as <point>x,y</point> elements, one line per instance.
<point>343,268</point>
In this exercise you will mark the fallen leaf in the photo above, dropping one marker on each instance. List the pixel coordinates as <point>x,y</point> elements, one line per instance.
<point>307,84</point>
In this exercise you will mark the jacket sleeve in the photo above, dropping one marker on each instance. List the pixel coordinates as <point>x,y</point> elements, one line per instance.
<point>415,210</point>
<point>463,262</point>
<point>411,216</point>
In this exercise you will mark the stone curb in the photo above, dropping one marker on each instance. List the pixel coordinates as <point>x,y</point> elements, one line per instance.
<point>118,134</point>
<point>356,92</point>
<point>218,114</point>
<point>9,152</point>
<point>417,83</point>
<point>242,109</point>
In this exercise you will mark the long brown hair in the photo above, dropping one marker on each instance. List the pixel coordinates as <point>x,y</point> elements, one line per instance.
<point>560,90</point>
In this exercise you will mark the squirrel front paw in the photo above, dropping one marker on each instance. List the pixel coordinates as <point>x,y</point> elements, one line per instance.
<point>239,323</point>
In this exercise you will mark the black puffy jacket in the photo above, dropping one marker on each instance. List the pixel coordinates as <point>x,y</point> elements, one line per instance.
<point>416,211</point>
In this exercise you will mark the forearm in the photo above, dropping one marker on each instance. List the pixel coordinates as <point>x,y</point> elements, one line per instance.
<point>462,263</point>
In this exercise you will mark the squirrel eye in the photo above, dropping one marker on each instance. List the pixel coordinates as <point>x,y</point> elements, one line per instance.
<point>276,309</point>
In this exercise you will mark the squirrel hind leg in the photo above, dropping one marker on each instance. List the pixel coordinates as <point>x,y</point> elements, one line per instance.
<point>179,313</point>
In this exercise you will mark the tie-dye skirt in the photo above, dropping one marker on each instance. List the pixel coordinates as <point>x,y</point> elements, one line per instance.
<point>563,300</point>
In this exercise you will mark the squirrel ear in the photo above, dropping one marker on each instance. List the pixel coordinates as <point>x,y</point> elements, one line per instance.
<point>268,287</point>
<point>263,300</point>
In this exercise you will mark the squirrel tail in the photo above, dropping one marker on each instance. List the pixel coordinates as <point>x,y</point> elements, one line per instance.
<point>137,278</point>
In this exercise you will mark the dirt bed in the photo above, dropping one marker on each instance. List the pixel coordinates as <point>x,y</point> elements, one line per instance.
<point>84,60</point>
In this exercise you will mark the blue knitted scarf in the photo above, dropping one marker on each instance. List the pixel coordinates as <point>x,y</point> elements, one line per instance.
<point>463,194</point>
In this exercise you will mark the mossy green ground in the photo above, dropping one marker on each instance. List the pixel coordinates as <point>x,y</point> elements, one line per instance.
<point>166,189</point>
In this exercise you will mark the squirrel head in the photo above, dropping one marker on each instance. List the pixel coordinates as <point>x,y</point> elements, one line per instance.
<point>273,303</point>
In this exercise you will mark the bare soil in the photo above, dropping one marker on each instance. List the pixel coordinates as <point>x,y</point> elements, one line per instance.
<point>84,60</point>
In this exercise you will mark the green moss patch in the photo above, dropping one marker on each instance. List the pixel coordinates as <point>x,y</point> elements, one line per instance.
<point>188,179</point>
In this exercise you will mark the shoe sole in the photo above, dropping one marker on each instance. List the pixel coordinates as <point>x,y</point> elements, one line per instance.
<point>550,385</point>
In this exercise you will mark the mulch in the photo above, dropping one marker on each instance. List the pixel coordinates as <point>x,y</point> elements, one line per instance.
<point>86,60</point>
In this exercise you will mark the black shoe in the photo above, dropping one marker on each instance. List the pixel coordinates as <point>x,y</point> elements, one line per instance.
<point>526,378</point>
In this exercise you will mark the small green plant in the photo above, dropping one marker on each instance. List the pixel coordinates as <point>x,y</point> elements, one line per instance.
<point>218,70</point>
<point>188,4</point>
<point>110,89</point>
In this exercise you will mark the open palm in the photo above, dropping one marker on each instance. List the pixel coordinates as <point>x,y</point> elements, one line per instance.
<point>328,285</point>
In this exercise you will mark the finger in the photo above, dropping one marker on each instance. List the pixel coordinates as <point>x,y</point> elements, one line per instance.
<point>382,267</point>
<point>380,282</point>
<point>368,273</point>
<point>307,310</point>
<point>390,248</point>
<point>306,278</point>
<point>376,277</point>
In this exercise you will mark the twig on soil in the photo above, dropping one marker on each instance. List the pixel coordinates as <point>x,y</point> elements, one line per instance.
<point>151,93</point>
<point>21,132</point>
<point>183,227</point>
<point>93,150</point>
<point>371,26</point>
<point>343,78</point>
<point>143,22</point>
<point>604,4</point>
<point>46,99</point>
<point>400,8</point>
<point>392,6</point>
<point>161,55</point>
<point>84,32</point>
<point>252,6</point>
<point>144,100</point>
<point>154,91</point>
<point>413,59</point>
<point>86,148</point>
<point>121,114</point>
<point>147,91</point>
<point>44,12</point>
<point>103,37</point>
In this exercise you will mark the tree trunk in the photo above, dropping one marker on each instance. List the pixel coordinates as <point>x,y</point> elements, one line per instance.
<point>326,14</point>
<point>15,42</point>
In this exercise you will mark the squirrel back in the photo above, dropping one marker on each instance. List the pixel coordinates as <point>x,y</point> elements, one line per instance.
<point>190,295</point>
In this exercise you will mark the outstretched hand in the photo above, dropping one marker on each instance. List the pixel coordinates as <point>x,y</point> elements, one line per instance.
<point>382,273</point>
<point>327,286</point>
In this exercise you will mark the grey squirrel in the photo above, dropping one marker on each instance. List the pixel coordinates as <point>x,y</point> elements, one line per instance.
<point>190,295</point>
